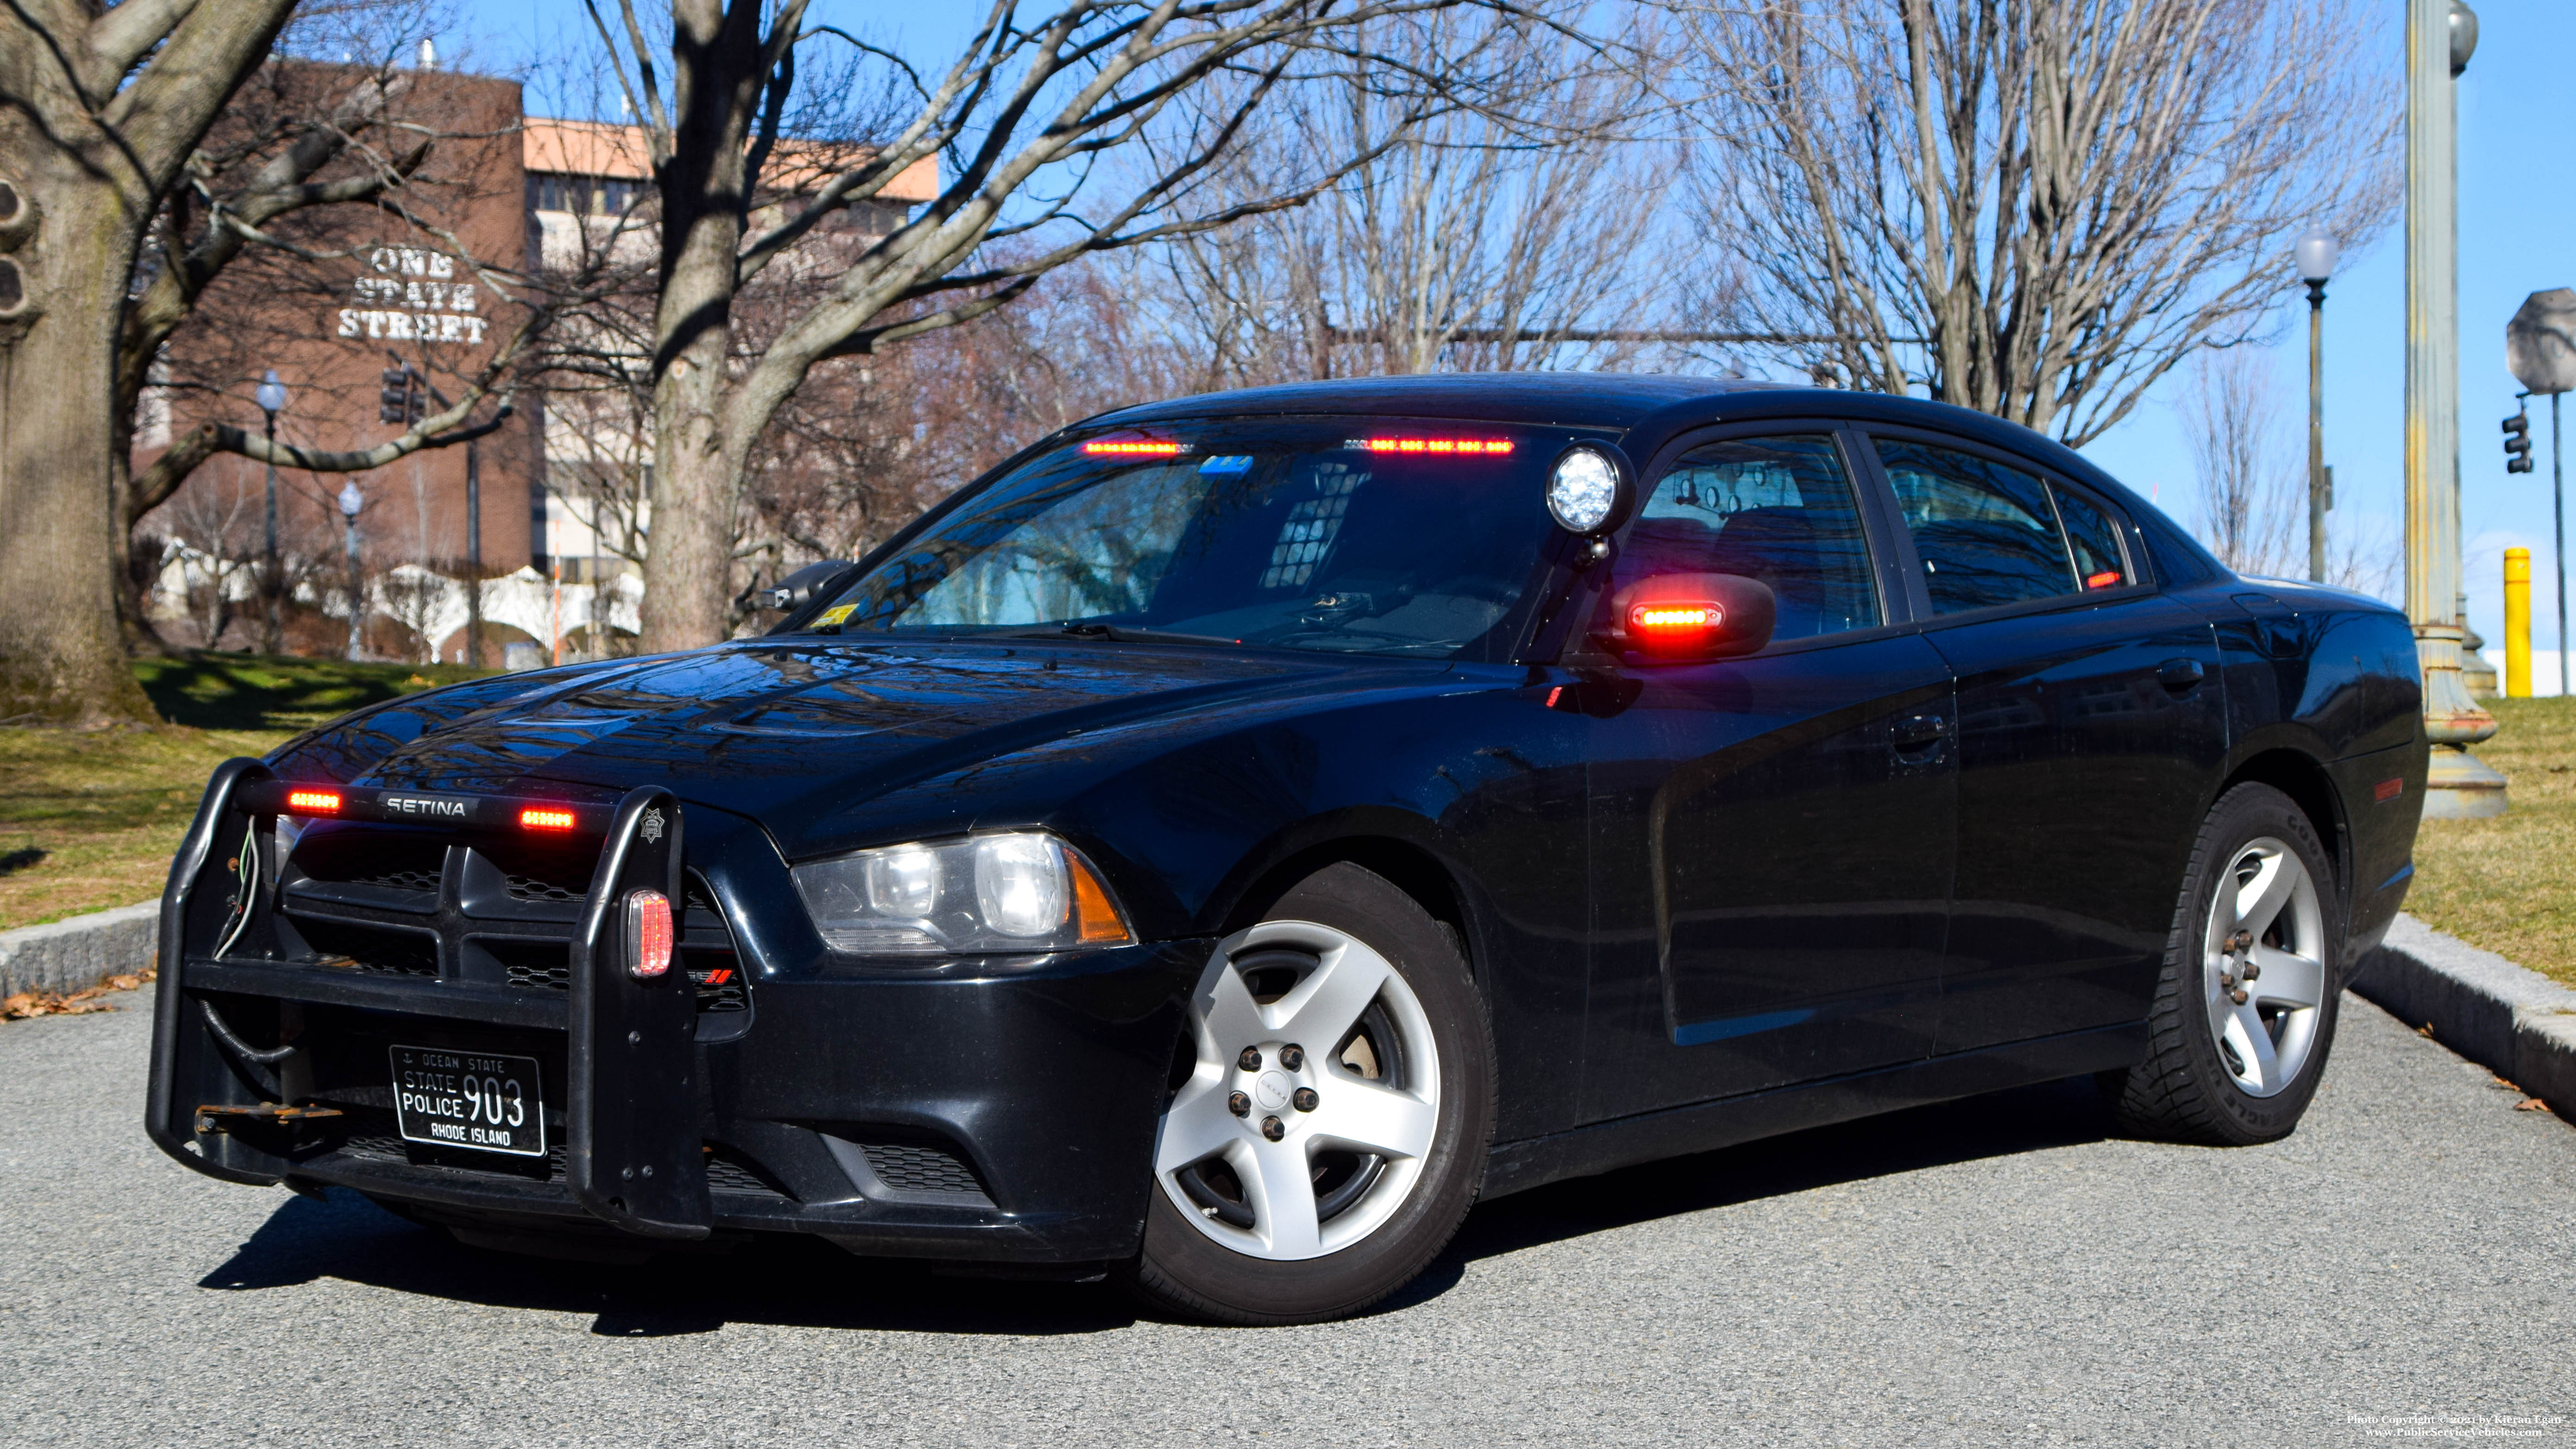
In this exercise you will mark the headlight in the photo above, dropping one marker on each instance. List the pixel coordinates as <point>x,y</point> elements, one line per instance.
<point>1024,891</point>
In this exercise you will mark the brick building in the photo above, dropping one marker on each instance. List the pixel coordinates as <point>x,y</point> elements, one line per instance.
<point>368,291</point>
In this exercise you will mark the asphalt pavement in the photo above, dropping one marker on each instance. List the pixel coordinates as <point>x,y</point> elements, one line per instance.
<point>1998,1271</point>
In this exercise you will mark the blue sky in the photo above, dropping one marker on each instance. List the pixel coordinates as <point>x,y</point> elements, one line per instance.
<point>2516,221</point>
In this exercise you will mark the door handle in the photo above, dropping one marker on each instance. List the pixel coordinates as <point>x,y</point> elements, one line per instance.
<point>2180,675</point>
<point>1919,731</point>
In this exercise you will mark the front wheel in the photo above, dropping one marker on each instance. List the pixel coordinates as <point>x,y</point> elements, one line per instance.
<point>1331,1134</point>
<point>2244,1013</point>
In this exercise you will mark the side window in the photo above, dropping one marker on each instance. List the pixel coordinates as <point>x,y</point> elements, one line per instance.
<point>1985,531</point>
<point>1775,509</point>
<point>2096,540</point>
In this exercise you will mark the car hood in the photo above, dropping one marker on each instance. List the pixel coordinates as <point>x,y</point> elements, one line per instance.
<point>785,732</point>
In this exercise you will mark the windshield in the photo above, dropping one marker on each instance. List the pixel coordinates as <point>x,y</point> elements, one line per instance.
<point>1360,536</point>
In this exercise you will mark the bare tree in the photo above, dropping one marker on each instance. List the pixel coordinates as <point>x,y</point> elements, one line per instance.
<point>100,109</point>
<point>213,527</point>
<point>2036,210</point>
<point>1023,119</point>
<point>304,143</point>
<point>2253,481</point>
<point>1494,238</point>
<point>2253,500</point>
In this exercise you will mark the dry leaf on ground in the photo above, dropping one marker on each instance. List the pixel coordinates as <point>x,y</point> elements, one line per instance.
<point>27,1004</point>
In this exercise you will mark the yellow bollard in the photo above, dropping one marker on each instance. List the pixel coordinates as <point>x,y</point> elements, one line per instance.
<point>2517,623</point>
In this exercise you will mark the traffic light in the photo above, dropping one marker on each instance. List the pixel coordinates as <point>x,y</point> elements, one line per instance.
<point>2517,443</point>
<point>399,402</point>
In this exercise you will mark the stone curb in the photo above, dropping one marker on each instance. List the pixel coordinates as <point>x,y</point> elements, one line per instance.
<point>78,954</point>
<point>2515,1022</point>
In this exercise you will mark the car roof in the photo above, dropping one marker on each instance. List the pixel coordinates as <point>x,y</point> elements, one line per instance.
<point>1652,405</point>
<point>1600,399</point>
<point>1655,403</point>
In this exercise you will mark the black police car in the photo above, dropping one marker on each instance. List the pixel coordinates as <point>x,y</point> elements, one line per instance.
<point>1226,841</point>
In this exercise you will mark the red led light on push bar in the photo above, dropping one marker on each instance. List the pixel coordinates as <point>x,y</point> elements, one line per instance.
<point>1675,618</point>
<point>313,802</point>
<point>648,934</point>
<point>1487,447</point>
<point>541,819</point>
<point>1133,450</point>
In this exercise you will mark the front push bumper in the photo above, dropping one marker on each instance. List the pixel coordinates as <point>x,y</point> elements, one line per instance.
<point>979,1111</point>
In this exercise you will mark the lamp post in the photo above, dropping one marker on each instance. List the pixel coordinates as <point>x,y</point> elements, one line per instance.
<point>2316,253</point>
<point>271,397</point>
<point>351,500</point>
<point>2439,36</point>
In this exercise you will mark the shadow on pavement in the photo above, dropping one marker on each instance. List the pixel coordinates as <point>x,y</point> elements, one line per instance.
<point>2000,1124</point>
<point>806,1283</point>
<point>797,1282</point>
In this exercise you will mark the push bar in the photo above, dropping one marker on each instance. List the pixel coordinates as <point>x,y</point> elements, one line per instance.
<point>427,807</point>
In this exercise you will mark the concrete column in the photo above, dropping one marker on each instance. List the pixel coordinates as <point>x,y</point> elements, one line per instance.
<point>2461,785</point>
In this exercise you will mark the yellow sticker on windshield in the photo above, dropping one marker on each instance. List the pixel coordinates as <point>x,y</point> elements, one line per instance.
<point>833,615</point>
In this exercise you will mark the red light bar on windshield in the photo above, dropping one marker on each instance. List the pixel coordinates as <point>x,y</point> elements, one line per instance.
<point>1133,449</point>
<point>2108,578</point>
<point>313,802</point>
<point>1483,447</point>
<point>541,818</point>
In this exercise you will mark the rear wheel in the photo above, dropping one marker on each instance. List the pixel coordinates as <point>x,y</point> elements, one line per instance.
<point>2244,1013</point>
<point>1331,1133</point>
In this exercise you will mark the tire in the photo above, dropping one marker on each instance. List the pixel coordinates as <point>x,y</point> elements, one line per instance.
<point>2208,1077</point>
<point>1401,1061</point>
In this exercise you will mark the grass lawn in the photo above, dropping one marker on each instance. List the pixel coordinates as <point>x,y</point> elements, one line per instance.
<point>2509,884</point>
<point>89,821</point>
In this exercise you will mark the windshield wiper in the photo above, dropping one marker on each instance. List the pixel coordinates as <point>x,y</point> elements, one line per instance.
<point>1122,634</point>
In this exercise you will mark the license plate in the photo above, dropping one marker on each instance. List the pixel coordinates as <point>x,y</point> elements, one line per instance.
<point>472,1100</point>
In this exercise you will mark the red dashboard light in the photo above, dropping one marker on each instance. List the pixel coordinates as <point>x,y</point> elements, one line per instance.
<point>648,934</point>
<point>545,819</point>
<point>313,802</point>
<point>1489,447</point>
<point>1133,450</point>
<point>2106,579</point>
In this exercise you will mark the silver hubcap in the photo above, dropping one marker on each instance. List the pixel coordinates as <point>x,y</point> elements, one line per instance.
<point>1314,1100</point>
<point>2263,967</point>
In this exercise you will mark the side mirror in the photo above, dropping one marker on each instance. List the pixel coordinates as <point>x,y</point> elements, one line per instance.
<point>801,587</point>
<point>1684,618</point>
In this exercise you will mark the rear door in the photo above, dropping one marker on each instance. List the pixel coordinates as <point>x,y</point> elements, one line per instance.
<point>2091,725</point>
<point>1772,835</point>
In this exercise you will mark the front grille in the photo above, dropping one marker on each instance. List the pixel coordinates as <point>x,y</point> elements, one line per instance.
<point>547,966</point>
<point>390,861</point>
<point>922,1167</point>
<point>542,978</point>
<point>541,870</point>
<point>349,946</point>
<point>727,1174</point>
<point>718,978</point>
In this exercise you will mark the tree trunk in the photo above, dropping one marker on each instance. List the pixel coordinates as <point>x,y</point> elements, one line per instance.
<point>133,594</point>
<point>698,448</point>
<point>61,658</point>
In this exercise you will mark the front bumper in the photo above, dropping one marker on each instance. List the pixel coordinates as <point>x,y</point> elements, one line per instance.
<point>980,1111</point>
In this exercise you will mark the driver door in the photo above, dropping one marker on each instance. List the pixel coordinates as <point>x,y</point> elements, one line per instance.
<point>1772,836</point>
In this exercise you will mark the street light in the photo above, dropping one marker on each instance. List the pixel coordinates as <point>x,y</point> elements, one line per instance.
<point>271,397</point>
<point>351,500</point>
<point>2315,254</point>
